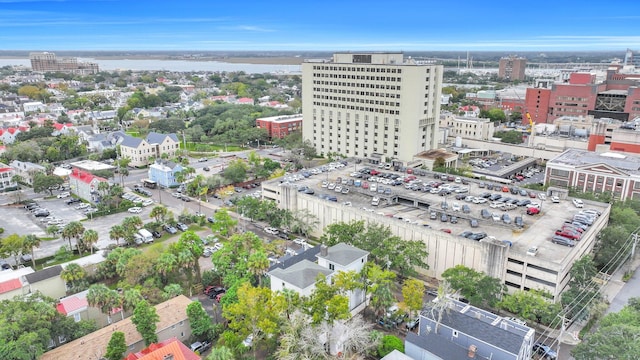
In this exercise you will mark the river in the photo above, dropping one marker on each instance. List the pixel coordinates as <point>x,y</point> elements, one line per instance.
<point>175,65</point>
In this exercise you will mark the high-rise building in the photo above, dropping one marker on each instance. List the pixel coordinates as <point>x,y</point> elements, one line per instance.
<point>512,68</point>
<point>48,62</point>
<point>380,106</point>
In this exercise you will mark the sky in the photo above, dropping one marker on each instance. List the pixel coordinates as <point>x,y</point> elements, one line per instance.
<point>322,25</point>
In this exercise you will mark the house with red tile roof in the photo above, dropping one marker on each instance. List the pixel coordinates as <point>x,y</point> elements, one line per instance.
<point>61,128</point>
<point>245,100</point>
<point>10,288</point>
<point>13,283</point>
<point>8,135</point>
<point>6,178</point>
<point>85,185</point>
<point>78,307</point>
<point>173,323</point>
<point>169,349</point>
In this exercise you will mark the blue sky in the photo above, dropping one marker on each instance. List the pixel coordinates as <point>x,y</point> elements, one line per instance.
<point>420,25</point>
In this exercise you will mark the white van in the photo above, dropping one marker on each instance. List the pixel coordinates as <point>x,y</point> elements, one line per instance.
<point>375,201</point>
<point>146,235</point>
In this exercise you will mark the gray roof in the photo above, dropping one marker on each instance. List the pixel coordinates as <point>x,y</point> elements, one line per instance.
<point>301,274</point>
<point>344,254</point>
<point>157,138</point>
<point>98,137</point>
<point>438,346</point>
<point>44,274</point>
<point>130,141</point>
<point>485,331</point>
<point>629,163</point>
<point>288,260</point>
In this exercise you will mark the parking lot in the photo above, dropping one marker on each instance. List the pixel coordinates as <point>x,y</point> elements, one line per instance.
<point>416,199</point>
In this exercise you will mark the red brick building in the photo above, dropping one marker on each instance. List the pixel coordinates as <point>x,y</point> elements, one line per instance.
<point>512,68</point>
<point>618,97</point>
<point>280,126</point>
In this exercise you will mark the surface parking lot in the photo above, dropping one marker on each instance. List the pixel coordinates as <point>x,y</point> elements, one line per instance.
<point>426,209</point>
<point>23,222</point>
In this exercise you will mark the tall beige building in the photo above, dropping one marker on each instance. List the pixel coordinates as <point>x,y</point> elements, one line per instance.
<point>380,106</point>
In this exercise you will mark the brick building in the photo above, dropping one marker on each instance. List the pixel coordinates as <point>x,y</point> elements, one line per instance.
<point>512,68</point>
<point>618,97</point>
<point>280,126</point>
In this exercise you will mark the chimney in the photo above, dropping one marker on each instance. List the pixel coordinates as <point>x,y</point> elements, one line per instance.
<point>324,250</point>
<point>472,351</point>
<point>170,357</point>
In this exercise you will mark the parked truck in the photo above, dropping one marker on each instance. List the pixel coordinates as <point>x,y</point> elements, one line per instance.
<point>146,235</point>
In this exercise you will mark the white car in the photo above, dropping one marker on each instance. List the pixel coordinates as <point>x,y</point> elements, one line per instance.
<point>300,242</point>
<point>331,186</point>
<point>147,202</point>
<point>578,203</point>
<point>542,196</point>
<point>455,206</point>
<point>135,210</point>
<point>63,195</point>
<point>271,230</point>
<point>82,206</point>
<point>496,217</point>
<point>555,199</point>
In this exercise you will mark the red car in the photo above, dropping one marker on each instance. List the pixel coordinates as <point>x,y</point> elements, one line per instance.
<point>568,234</point>
<point>374,172</point>
<point>533,211</point>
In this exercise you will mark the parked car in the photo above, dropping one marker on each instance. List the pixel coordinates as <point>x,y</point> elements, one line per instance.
<point>561,240</point>
<point>72,201</point>
<point>213,290</point>
<point>478,236</point>
<point>545,351</point>
<point>182,226</point>
<point>578,203</point>
<point>170,229</point>
<point>271,230</point>
<point>63,195</point>
<point>555,199</point>
<point>473,223</point>
<point>135,210</point>
<point>156,234</point>
<point>486,214</point>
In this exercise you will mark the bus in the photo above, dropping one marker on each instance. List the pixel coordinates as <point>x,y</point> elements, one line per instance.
<point>149,183</point>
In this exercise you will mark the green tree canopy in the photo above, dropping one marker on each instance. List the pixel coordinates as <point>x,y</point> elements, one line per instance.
<point>145,319</point>
<point>116,347</point>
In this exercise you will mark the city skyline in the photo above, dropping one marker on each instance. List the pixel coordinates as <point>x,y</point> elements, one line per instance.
<point>327,26</point>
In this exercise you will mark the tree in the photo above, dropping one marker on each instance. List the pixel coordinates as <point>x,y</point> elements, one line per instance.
<point>615,336</point>
<point>579,298</point>
<point>43,182</point>
<point>200,322</point>
<point>236,171</point>
<point>158,212</point>
<point>326,303</point>
<point>189,241</point>
<point>258,265</point>
<point>73,229</point>
<point>116,233</point>
<point>116,347</point>
<point>510,137</point>
<point>412,292</point>
<point>256,312</point>
<point>145,318</point>
<point>72,274</point>
<point>379,284</point>
<point>390,343</point>
<point>479,289</point>
<point>89,238</point>
<point>12,245</point>
<point>532,305</point>
<point>494,114</point>
<point>224,223</point>
<point>221,353</point>
<point>30,242</point>
<point>105,299</point>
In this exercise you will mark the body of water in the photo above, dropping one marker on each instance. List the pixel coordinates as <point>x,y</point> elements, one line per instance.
<point>176,65</point>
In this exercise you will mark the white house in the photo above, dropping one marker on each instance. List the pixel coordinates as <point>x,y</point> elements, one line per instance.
<point>301,276</point>
<point>142,152</point>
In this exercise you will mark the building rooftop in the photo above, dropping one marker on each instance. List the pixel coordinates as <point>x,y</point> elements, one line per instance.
<point>10,285</point>
<point>577,158</point>
<point>160,350</point>
<point>157,138</point>
<point>343,254</point>
<point>73,303</point>
<point>85,177</point>
<point>170,313</point>
<point>44,274</point>
<point>90,165</point>
<point>302,274</point>
<point>282,118</point>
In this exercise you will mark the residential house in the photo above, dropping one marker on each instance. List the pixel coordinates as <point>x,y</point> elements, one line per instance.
<point>173,323</point>
<point>462,331</point>
<point>6,178</point>
<point>8,135</point>
<point>61,129</point>
<point>171,349</point>
<point>27,170</point>
<point>78,307</point>
<point>34,106</point>
<point>142,152</point>
<point>301,275</point>
<point>164,173</point>
<point>85,185</point>
<point>47,281</point>
<point>13,283</point>
<point>98,143</point>
<point>85,132</point>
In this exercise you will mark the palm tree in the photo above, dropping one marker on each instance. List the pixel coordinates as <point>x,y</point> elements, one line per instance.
<point>258,265</point>
<point>73,230</point>
<point>73,273</point>
<point>52,229</point>
<point>31,242</point>
<point>202,193</point>
<point>116,233</point>
<point>89,238</point>
<point>130,298</point>
<point>166,264</point>
<point>102,297</point>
